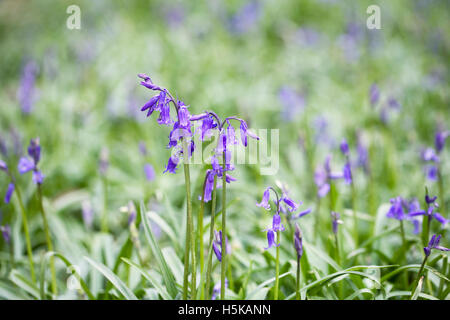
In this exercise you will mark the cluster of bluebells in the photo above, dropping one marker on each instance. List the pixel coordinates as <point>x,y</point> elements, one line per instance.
<point>431,155</point>
<point>30,163</point>
<point>182,128</point>
<point>402,209</point>
<point>363,154</point>
<point>276,226</point>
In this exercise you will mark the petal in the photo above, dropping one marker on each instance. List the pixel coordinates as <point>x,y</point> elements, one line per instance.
<point>25,165</point>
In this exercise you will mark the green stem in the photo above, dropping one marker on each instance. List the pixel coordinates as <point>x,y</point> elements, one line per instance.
<point>402,232</point>
<point>211,237</point>
<point>200,234</point>
<point>416,282</point>
<point>188,230</point>
<point>27,234</point>
<point>355,218</point>
<point>104,224</point>
<point>297,291</point>
<point>277,267</point>
<point>223,266</point>
<point>317,218</point>
<point>48,239</point>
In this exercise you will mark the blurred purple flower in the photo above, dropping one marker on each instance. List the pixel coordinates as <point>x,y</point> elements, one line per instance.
<point>9,192</point>
<point>293,103</point>
<point>6,233</point>
<point>149,172</point>
<point>30,164</point>
<point>336,221</point>
<point>216,289</point>
<point>374,94</point>
<point>246,17</point>
<point>87,213</point>
<point>26,93</point>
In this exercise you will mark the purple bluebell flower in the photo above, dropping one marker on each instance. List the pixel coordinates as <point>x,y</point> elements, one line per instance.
<point>432,172</point>
<point>245,132</point>
<point>439,140</point>
<point>246,18</point>
<point>142,148</point>
<point>429,154</point>
<point>265,200</point>
<point>298,242</point>
<point>26,93</point>
<point>217,245</point>
<point>3,166</point>
<point>87,213</point>
<point>374,94</point>
<point>293,102</point>
<point>30,164</point>
<point>336,221</point>
<point>344,147</point>
<point>302,213</point>
<point>216,289</point>
<point>307,36</point>
<point>172,164</point>
<point>208,124</point>
<point>347,173</point>
<point>430,200</point>
<point>276,226</point>
<point>6,233</point>
<point>291,205</point>
<point>9,192</point>
<point>149,172</point>
<point>396,210</point>
<point>434,244</point>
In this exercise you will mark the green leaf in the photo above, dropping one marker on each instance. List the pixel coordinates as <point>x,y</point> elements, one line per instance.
<point>161,290</point>
<point>24,283</point>
<point>418,289</point>
<point>118,284</point>
<point>254,293</point>
<point>413,266</point>
<point>168,277</point>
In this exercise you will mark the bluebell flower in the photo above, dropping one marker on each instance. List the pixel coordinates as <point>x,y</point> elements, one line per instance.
<point>172,164</point>
<point>9,192</point>
<point>265,199</point>
<point>439,140</point>
<point>217,245</point>
<point>344,147</point>
<point>434,244</point>
<point>431,214</point>
<point>30,164</point>
<point>298,242</point>
<point>87,213</point>
<point>246,17</point>
<point>293,102</point>
<point>149,172</point>
<point>336,221</point>
<point>276,226</point>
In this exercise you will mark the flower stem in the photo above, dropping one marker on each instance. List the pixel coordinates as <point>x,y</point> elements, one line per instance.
<point>48,239</point>
<point>188,230</point>
<point>104,223</point>
<point>200,234</point>
<point>402,232</point>
<point>223,266</point>
<point>416,282</point>
<point>355,218</point>
<point>27,234</point>
<point>277,267</point>
<point>211,237</point>
<point>297,291</point>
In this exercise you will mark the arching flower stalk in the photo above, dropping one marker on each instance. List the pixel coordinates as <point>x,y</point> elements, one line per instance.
<point>27,164</point>
<point>12,188</point>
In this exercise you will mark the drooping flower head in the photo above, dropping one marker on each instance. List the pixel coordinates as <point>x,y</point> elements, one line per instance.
<point>30,163</point>
<point>439,140</point>
<point>298,242</point>
<point>434,244</point>
<point>336,221</point>
<point>217,245</point>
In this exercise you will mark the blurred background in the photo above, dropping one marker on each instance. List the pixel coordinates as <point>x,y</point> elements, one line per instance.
<point>309,68</point>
